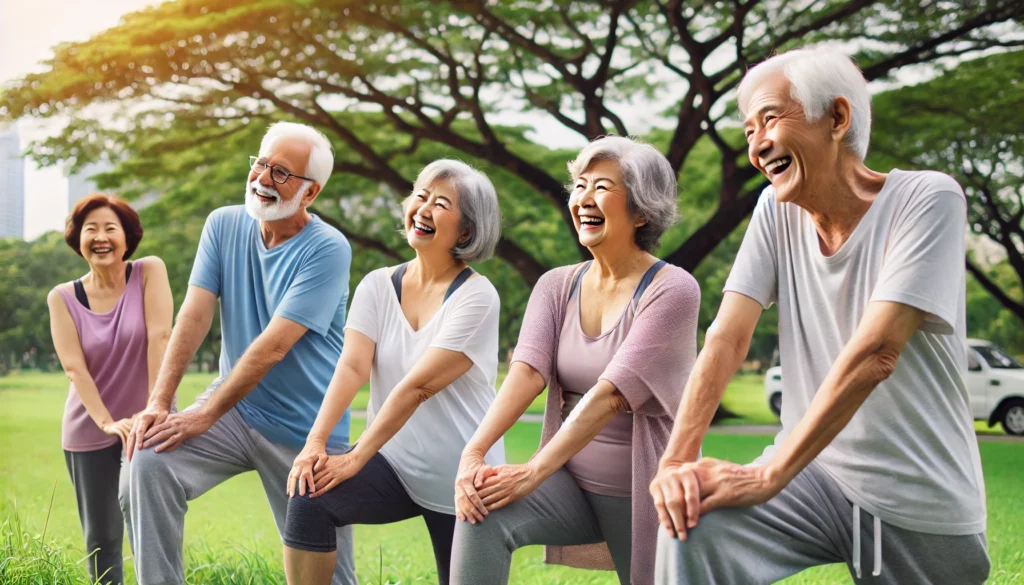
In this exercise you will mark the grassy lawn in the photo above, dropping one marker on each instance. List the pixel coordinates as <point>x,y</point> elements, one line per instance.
<point>233,522</point>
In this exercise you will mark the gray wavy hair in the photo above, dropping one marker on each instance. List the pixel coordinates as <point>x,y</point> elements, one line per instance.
<point>652,193</point>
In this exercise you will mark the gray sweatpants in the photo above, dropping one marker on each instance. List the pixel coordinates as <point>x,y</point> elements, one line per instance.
<point>94,475</point>
<point>160,485</point>
<point>557,513</point>
<point>811,523</point>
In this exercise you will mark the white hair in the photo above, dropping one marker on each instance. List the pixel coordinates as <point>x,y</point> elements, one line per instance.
<point>321,154</point>
<point>478,205</point>
<point>651,190</point>
<point>818,76</point>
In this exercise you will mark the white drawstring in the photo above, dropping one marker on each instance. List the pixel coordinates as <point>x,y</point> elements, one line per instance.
<point>856,544</point>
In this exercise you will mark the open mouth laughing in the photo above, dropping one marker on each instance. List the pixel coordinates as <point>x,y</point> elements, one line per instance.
<point>422,229</point>
<point>778,166</point>
<point>590,222</point>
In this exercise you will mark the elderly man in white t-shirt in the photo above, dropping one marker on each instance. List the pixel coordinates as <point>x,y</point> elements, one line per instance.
<point>877,450</point>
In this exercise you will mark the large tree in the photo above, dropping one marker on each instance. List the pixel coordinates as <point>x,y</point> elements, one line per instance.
<point>969,123</point>
<point>391,80</point>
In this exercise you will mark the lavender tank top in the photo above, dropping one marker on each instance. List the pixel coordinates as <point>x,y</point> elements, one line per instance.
<point>115,347</point>
<point>605,465</point>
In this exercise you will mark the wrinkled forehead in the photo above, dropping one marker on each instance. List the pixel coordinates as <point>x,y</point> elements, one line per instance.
<point>289,152</point>
<point>771,91</point>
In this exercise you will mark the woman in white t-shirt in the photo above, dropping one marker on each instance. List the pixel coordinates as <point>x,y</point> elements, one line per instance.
<point>425,335</point>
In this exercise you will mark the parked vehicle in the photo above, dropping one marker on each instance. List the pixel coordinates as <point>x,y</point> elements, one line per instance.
<point>995,384</point>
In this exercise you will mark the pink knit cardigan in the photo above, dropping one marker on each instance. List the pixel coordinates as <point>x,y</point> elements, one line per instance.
<point>650,369</point>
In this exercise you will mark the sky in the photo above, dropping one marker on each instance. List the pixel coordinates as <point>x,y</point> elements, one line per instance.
<point>25,40</point>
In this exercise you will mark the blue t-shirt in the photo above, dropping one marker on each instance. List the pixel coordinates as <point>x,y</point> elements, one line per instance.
<point>305,280</point>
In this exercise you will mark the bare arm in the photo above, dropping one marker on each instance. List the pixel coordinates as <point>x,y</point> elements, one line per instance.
<point>521,386</point>
<point>72,359</point>
<point>159,311</point>
<point>352,371</point>
<point>867,360</point>
<point>437,369</point>
<point>194,320</point>
<point>725,346</point>
<point>585,422</point>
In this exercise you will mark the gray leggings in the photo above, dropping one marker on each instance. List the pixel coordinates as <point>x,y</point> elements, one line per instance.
<point>557,513</point>
<point>94,475</point>
<point>810,523</point>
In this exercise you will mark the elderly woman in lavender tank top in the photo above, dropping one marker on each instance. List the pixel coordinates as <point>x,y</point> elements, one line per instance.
<point>110,329</point>
<point>613,339</point>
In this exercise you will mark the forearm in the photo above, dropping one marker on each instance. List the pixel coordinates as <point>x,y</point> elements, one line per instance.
<point>521,387</point>
<point>342,389</point>
<point>849,383</point>
<point>714,368</point>
<point>157,345</point>
<point>585,422</point>
<point>89,394</point>
<point>258,359</point>
<point>393,414</point>
<point>185,340</point>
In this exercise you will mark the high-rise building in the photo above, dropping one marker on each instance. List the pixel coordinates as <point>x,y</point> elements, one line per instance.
<point>12,184</point>
<point>81,184</point>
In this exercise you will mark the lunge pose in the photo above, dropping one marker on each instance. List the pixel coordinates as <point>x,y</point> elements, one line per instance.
<point>877,454</point>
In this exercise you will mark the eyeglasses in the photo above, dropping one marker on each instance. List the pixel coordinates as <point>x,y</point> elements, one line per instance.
<point>277,174</point>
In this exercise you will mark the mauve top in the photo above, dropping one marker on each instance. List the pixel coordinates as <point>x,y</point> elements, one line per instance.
<point>650,369</point>
<point>115,347</point>
<point>604,466</point>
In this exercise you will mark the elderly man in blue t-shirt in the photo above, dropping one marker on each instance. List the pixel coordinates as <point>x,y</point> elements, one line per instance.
<point>281,275</point>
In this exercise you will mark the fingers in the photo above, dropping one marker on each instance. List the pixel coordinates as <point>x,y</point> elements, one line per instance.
<point>326,488</point>
<point>159,437</point>
<point>157,428</point>
<point>659,505</point>
<point>482,473</point>
<point>477,509</point>
<point>500,504</point>
<point>691,497</point>
<point>306,480</point>
<point>466,510</point>
<point>321,460</point>
<point>289,484</point>
<point>170,444</point>
<point>673,495</point>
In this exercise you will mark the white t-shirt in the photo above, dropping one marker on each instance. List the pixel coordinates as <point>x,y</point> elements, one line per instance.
<point>425,452</point>
<point>909,455</point>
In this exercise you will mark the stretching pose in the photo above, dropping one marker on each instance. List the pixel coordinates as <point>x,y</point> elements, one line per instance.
<point>425,335</point>
<point>877,444</point>
<point>613,339</point>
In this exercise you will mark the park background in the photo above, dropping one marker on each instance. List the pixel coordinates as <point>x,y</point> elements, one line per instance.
<point>174,97</point>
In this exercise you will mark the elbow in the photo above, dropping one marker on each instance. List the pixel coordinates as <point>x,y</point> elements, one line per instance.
<point>75,372</point>
<point>881,363</point>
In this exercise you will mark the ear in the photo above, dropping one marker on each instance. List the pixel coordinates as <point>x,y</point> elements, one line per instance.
<point>311,194</point>
<point>639,223</point>
<point>465,237</point>
<point>840,118</point>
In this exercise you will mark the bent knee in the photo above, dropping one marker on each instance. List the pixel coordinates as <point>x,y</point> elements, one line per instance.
<point>308,526</point>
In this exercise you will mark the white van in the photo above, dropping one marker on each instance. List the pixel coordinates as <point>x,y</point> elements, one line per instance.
<point>995,384</point>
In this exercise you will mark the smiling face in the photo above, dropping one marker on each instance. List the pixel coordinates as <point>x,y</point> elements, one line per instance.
<point>266,200</point>
<point>598,205</point>
<point>432,217</point>
<point>795,155</point>
<point>102,241</point>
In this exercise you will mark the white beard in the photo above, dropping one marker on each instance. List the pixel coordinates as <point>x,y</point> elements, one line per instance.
<point>261,211</point>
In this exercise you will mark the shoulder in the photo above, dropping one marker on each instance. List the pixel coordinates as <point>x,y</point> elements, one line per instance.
<point>152,267</point>
<point>676,284</point>
<point>480,287</point>
<point>556,278</point>
<point>53,298</point>
<point>327,237</point>
<point>231,217</point>
<point>924,186</point>
<point>373,279</point>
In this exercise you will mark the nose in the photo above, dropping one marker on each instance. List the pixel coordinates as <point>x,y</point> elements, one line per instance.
<point>759,148</point>
<point>264,178</point>
<point>424,208</point>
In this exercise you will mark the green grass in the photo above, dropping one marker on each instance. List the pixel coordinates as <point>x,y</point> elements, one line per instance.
<point>230,534</point>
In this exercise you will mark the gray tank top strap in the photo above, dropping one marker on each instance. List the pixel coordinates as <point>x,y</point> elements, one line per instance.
<point>396,279</point>
<point>459,281</point>
<point>645,282</point>
<point>399,274</point>
<point>579,278</point>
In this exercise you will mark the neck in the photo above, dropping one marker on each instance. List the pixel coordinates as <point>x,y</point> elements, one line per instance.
<point>432,268</point>
<point>110,276</point>
<point>280,231</point>
<point>617,263</point>
<point>839,203</point>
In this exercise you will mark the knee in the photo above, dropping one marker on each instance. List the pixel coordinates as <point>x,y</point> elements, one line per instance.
<point>308,526</point>
<point>485,535</point>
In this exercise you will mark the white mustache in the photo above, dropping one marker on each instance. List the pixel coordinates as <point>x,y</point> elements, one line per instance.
<point>264,191</point>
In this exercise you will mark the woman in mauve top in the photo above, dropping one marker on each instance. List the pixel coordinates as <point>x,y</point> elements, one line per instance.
<point>110,329</point>
<point>424,334</point>
<point>614,340</point>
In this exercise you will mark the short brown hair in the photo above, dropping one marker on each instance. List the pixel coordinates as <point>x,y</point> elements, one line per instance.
<point>130,222</point>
